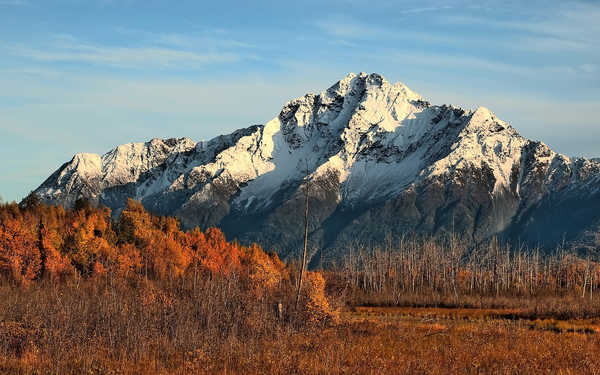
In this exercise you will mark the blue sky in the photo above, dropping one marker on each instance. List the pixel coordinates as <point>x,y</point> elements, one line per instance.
<point>87,75</point>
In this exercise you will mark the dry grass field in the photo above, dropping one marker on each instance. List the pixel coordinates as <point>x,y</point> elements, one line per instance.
<point>63,333</point>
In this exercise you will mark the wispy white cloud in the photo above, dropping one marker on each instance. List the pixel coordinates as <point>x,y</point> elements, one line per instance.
<point>215,38</point>
<point>547,44</point>
<point>570,26</point>
<point>347,29</point>
<point>589,68</point>
<point>124,56</point>
<point>187,41</point>
<point>167,51</point>
<point>110,3</point>
<point>426,9</point>
<point>466,62</point>
<point>14,2</point>
<point>567,27</point>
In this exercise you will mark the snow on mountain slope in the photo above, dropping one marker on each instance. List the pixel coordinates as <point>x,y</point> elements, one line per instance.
<point>364,143</point>
<point>89,174</point>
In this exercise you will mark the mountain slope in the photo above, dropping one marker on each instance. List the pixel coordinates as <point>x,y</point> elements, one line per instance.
<point>378,159</point>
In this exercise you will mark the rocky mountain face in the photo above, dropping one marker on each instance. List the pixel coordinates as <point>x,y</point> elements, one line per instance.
<point>376,159</point>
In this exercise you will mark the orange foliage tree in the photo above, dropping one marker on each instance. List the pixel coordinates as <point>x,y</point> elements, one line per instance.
<point>20,256</point>
<point>41,241</point>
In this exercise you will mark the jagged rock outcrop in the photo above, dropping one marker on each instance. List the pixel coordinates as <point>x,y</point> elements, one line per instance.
<point>379,160</point>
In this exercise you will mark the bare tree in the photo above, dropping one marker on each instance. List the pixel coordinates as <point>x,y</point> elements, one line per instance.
<point>303,265</point>
<point>453,268</point>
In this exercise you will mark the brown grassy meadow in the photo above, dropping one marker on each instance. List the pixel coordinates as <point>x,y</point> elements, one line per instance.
<point>156,328</point>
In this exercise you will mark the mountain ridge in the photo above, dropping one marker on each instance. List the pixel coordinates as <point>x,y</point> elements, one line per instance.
<point>379,158</point>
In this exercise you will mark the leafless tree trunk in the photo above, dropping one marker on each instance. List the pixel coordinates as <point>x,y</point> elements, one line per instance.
<point>303,265</point>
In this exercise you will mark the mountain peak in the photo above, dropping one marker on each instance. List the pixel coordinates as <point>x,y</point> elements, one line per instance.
<point>483,112</point>
<point>374,151</point>
<point>86,164</point>
<point>354,83</point>
<point>484,120</point>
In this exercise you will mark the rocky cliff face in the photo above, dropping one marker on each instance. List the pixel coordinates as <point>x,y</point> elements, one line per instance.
<point>377,159</point>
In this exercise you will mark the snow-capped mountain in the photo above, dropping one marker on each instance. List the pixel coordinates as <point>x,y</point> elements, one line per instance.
<point>378,160</point>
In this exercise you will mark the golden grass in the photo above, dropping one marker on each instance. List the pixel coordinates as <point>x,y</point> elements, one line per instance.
<point>367,340</point>
<point>438,312</point>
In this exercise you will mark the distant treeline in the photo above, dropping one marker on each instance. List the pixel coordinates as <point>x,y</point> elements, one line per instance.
<point>451,267</point>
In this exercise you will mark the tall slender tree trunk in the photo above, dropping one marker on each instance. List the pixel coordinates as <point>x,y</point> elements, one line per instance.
<point>303,265</point>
